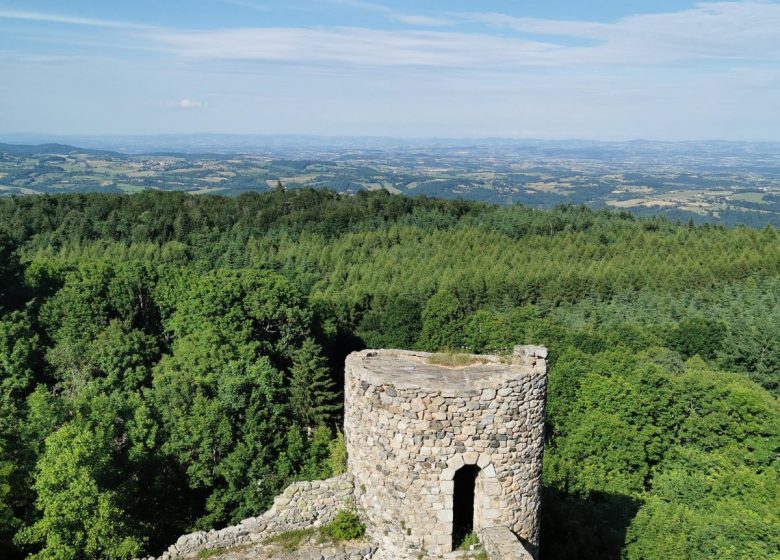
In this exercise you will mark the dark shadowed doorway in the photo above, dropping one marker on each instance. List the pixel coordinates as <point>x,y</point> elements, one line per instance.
<point>463,503</point>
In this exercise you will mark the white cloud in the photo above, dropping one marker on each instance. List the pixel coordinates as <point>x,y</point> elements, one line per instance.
<point>707,71</point>
<point>191,104</point>
<point>421,21</point>
<point>408,19</point>
<point>726,31</point>
<point>70,20</point>
<point>359,46</point>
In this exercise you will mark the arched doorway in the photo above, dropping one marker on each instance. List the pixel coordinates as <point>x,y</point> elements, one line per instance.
<point>463,499</point>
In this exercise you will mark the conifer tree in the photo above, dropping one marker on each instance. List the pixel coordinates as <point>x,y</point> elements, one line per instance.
<point>9,270</point>
<point>313,394</point>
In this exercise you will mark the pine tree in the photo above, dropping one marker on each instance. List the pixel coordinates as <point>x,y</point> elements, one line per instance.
<point>313,394</point>
<point>9,270</point>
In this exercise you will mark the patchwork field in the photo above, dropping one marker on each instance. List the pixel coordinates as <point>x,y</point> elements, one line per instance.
<point>729,184</point>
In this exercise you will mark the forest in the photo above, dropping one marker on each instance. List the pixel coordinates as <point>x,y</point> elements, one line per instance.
<point>170,362</point>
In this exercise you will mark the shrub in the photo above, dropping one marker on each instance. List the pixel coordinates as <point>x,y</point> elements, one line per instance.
<point>468,541</point>
<point>346,526</point>
<point>337,454</point>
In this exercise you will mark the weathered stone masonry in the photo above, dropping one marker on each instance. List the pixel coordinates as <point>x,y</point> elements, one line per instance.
<point>411,427</point>
<point>427,447</point>
<point>301,505</point>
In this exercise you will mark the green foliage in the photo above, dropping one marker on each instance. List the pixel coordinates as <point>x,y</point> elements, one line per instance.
<point>468,541</point>
<point>697,336</point>
<point>101,323</point>
<point>337,454</point>
<point>750,346</point>
<point>313,393</point>
<point>490,331</point>
<point>396,325</point>
<point>307,456</point>
<point>19,359</point>
<point>346,526</point>
<point>221,423</point>
<point>705,505</point>
<point>170,362</point>
<point>683,452</point>
<point>442,317</point>
<point>79,501</point>
<point>260,312</point>
<point>222,396</point>
<point>8,520</point>
<point>10,271</point>
<point>290,541</point>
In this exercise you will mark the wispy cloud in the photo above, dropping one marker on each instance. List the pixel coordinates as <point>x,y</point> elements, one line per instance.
<point>707,71</point>
<point>415,20</point>
<point>187,103</point>
<point>70,20</point>
<point>725,31</point>
<point>355,46</point>
<point>421,21</point>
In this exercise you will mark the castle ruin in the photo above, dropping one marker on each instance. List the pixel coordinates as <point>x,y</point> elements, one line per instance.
<point>437,452</point>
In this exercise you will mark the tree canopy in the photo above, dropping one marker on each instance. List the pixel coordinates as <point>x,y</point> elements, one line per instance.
<point>170,362</point>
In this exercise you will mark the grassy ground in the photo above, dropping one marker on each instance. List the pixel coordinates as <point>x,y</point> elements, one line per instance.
<point>453,359</point>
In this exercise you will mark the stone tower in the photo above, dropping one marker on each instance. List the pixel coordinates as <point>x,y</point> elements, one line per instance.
<point>437,451</point>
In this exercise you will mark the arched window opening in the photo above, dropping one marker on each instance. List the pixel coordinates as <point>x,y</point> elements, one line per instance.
<point>463,503</point>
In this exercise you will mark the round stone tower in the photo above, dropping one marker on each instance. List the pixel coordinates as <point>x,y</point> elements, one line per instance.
<point>437,452</point>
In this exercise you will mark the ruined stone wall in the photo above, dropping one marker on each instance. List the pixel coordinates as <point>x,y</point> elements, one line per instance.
<point>410,428</point>
<point>405,442</point>
<point>501,544</point>
<point>300,506</point>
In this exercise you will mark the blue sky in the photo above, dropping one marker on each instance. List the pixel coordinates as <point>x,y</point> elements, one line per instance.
<point>459,68</point>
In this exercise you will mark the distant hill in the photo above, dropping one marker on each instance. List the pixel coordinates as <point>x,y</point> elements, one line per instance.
<point>721,182</point>
<point>55,149</point>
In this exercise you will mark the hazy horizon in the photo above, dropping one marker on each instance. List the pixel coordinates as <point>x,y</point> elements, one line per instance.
<point>11,137</point>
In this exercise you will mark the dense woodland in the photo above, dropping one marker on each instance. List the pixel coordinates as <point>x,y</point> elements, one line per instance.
<point>170,362</point>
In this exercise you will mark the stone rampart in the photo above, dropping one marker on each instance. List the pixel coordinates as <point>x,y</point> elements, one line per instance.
<point>300,506</point>
<point>501,544</point>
